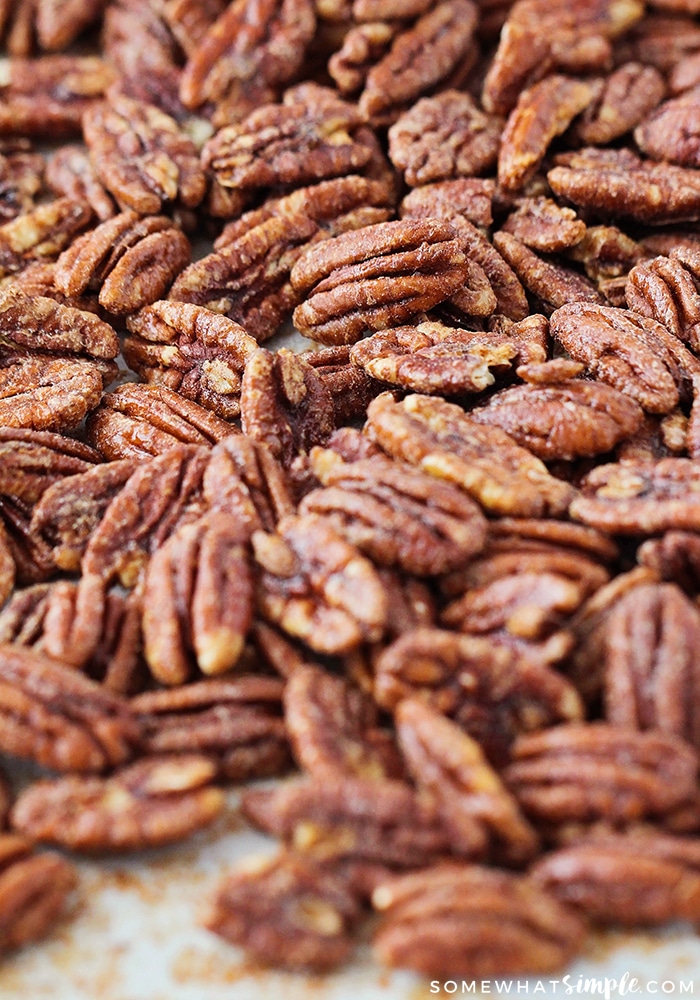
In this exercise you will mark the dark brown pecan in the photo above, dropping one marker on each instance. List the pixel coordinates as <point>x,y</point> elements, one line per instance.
<point>244,479</point>
<point>628,95</point>
<point>617,183</point>
<point>158,800</point>
<point>444,137</point>
<point>542,113</point>
<point>47,97</point>
<point>41,234</point>
<point>351,388</point>
<point>333,728</point>
<point>431,53</point>
<point>666,290</point>
<point>364,46</point>
<point>397,515</point>
<point>247,277</point>
<point>378,276</point>
<point>675,557</point>
<point>662,41</point>
<point>55,716</point>
<point>249,52</point>
<point>141,155</point>
<point>468,197</point>
<point>21,175</point>
<point>130,261</point>
<point>670,132</point>
<point>284,403</point>
<point>237,723</point>
<point>582,773</point>
<point>450,765</point>
<point>486,462</point>
<point>33,891</point>
<point>563,420</point>
<point>136,421</point>
<point>451,920</point>
<point>552,283</point>
<point>47,393</point>
<point>317,587</point>
<point>543,225</point>
<point>433,358</point>
<point>639,878</point>
<point>69,172</point>
<point>42,324</point>
<point>490,691</point>
<point>32,461</point>
<point>198,600</point>
<point>286,911</point>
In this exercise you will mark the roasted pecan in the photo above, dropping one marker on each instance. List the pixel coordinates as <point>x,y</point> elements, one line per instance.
<point>666,290</point>
<point>158,800</point>
<point>444,137</point>
<point>553,284</point>
<point>47,393</point>
<point>136,421</point>
<point>41,234</point>
<point>468,197</point>
<point>364,46</point>
<point>543,225</point>
<point>675,557</point>
<point>669,133</point>
<point>37,279</point>
<point>47,97</point>
<point>7,568</point>
<point>55,716</point>
<point>451,920</point>
<point>189,20</point>
<point>628,95</point>
<point>33,891</point>
<point>685,73</point>
<point>581,773</point>
<point>69,172</point>
<point>42,324</point>
<point>661,41</point>
<point>490,691</point>
<point>397,515</point>
<point>484,461</point>
<point>317,587</point>
<point>244,479</point>
<point>32,461</point>
<point>608,255</point>
<point>141,155</point>
<point>59,22</point>
<point>351,388</point>
<point>21,174</point>
<point>31,556</point>
<point>286,911</point>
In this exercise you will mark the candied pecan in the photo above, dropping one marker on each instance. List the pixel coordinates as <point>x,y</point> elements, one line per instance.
<point>32,557</point>
<point>247,277</point>
<point>425,56</point>
<point>284,403</point>
<point>467,197</point>
<point>397,515</point>
<point>33,891</point>
<point>351,388</point>
<point>41,234</point>
<point>608,255</point>
<point>189,20</point>
<point>286,911</point>
<point>158,800</point>
<point>638,878</point>
<point>377,276</point>
<point>543,225</point>
<point>675,557</point>
<point>21,173</point>
<point>628,95</point>
<point>69,172</point>
<point>490,691</point>
<point>253,48</point>
<point>616,182</point>
<point>47,97</point>
<point>47,393</point>
<point>364,46</point>
<point>685,73</point>
<point>32,461</point>
<point>553,284</point>
<point>451,920</point>
<point>669,133</point>
<point>141,155</point>
<point>136,421</point>
<point>243,478</point>
<point>55,716</point>
<point>59,22</point>
<point>444,137</point>
<point>588,772</point>
<point>7,569</point>
<point>37,279</point>
<point>333,728</point>
<point>661,41</point>
<point>507,532</point>
<point>42,324</point>
<point>317,587</point>
<point>666,290</point>
<point>237,723</point>
<point>484,461</point>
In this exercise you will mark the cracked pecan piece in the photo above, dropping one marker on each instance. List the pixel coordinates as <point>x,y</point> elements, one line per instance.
<point>286,911</point>
<point>198,600</point>
<point>543,225</point>
<point>130,261</point>
<point>666,290</point>
<point>490,691</point>
<point>451,920</point>
<point>444,137</point>
<point>582,773</point>
<point>628,95</point>
<point>142,156</point>
<point>237,723</point>
<point>440,439</point>
<point>60,719</point>
<point>317,587</point>
<point>136,421</point>
<point>670,132</point>
<point>45,393</point>
<point>69,172</point>
<point>243,478</point>
<point>554,284</point>
<point>34,889</point>
<point>158,800</point>
<point>377,276</point>
<point>397,515</point>
<point>41,234</point>
<point>468,197</point>
<point>38,323</point>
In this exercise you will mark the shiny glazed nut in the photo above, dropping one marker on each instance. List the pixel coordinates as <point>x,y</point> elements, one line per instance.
<point>69,172</point>
<point>33,891</point>
<point>244,479</point>
<point>665,290</point>
<point>543,225</point>
<point>627,97</point>
<point>45,393</point>
<point>41,234</point>
<point>42,324</point>
<point>553,284</point>
<point>47,97</point>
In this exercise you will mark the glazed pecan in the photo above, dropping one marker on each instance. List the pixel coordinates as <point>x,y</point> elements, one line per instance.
<point>7,568</point>
<point>444,137</point>
<point>130,261</point>
<point>666,290</point>
<point>675,557</point>
<point>33,891</point>
<point>42,324</point>
<point>608,255</point>
<point>48,97</point>
<point>662,41</point>
<point>158,800</point>
<point>552,283</point>
<point>317,587</point>
<point>490,691</point>
<point>37,279</point>
<point>41,234</point>
<point>244,479</point>
<point>286,911</point>
<point>397,515</point>
<point>364,46</point>
<point>69,172</point>
<point>55,716</point>
<point>47,393</point>
<point>236,723</point>
<point>451,920</point>
<point>141,156</point>
<point>21,175</point>
<point>628,95</point>
<point>59,22</point>
<point>136,421</point>
<point>32,461</point>
<point>484,461</point>
<point>588,772</point>
<point>375,277</point>
<point>543,225</point>
<point>468,197</point>
<point>669,133</point>
<point>351,388</point>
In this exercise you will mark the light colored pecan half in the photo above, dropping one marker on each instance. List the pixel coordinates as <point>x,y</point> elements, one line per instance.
<point>628,95</point>
<point>41,234</point>
<point>46,393</point>
<point>666,289</point>
<point>34,890</point>
<point>43,324</point>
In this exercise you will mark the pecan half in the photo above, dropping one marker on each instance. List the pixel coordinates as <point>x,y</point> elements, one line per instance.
<point>33,891</point>
<point>243,478</point>
<point>32,461</point>
<point>665,289</point>
<point>46,393</point>
<point>41,234</point>
<point>468,197</point>
<point>543,225</point>
<point>364,46</point>
<point>627,97</point>
<point>42,324</point>
<point>552,283</point>
<point>669,133</point>
<point>21,177</point>
<point>69,172</point>
<point>675,557</point>
<point>47,97</point>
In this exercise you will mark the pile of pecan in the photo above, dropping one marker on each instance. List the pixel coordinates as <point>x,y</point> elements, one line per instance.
<point>441,571</point>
